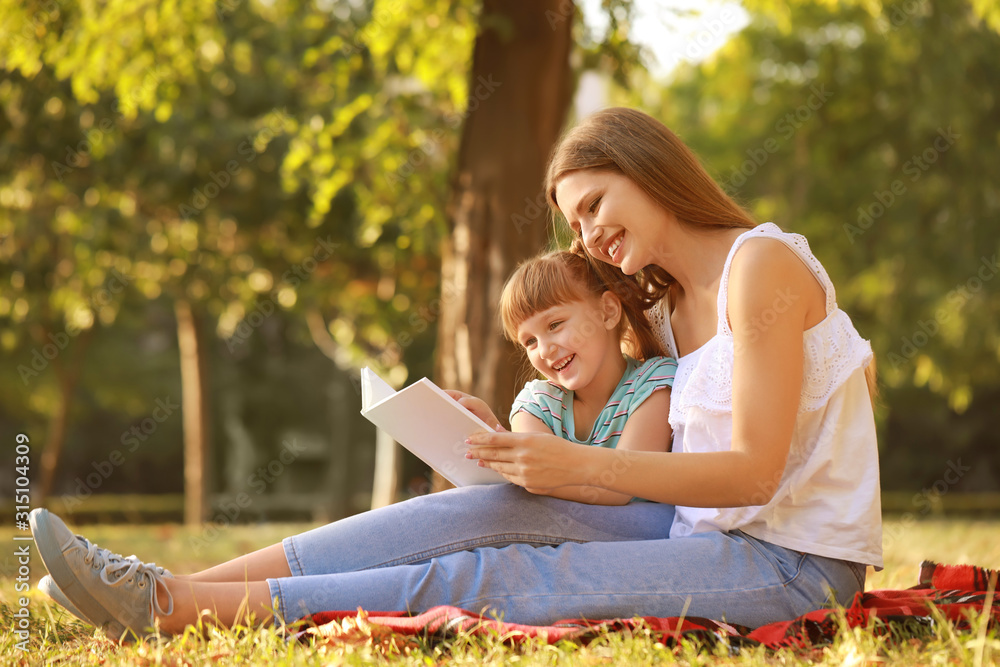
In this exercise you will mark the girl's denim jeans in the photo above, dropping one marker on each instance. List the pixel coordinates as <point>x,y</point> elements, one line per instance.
<point>532,559</point>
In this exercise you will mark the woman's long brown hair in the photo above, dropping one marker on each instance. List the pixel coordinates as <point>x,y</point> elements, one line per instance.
<point>641,148</point>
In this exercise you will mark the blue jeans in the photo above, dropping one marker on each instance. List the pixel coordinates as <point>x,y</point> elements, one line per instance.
<point>531,559</point>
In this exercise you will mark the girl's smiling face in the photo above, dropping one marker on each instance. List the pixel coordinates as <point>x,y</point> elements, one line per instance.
<point>619,223</point>
<point>572,343</point>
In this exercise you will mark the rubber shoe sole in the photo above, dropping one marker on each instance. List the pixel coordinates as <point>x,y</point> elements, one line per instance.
<point>48,586</point>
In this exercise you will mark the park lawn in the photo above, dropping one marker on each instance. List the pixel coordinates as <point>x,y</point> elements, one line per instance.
<point>55,636</point>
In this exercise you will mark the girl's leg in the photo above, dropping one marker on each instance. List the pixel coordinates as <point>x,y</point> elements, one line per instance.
<point>227,604</point>
<point>441,523</point>
<point>269,562</point>
<point>728,576</point>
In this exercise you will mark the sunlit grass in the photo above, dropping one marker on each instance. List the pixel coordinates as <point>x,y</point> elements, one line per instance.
<point>56,637</point>
<point>906,543</point>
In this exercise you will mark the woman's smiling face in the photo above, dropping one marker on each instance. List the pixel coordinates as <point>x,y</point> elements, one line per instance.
<point>620,224</point>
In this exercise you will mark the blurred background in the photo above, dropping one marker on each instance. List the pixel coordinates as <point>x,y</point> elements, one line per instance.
<point>213,215</point>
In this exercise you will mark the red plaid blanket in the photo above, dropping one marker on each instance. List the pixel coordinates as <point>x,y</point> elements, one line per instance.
<point>957,591</point>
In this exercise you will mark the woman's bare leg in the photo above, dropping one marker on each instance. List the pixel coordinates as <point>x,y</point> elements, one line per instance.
<point>225,604</point>
<point>266,563</point>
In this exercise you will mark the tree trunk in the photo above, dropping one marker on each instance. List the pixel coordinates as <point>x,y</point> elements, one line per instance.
<point>67,378</point>
<point>385,489</point>
<point>194,397</point>
<point>339,467</point>
<point>338,482</point>
<point>519,95</point>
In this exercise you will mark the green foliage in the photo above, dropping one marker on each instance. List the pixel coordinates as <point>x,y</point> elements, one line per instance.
<point>248,156</point>
<point>205,150</point>
<point>281,165</point>
<point>160,45</point>
<point>613,52</point>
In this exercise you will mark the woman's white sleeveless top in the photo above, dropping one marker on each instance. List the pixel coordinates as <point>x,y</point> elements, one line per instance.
<point>827,502</point>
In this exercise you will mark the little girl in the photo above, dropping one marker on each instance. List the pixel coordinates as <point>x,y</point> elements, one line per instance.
<point>573,328</point>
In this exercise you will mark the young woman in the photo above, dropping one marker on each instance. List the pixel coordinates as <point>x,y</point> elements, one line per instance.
<point>774,468</point>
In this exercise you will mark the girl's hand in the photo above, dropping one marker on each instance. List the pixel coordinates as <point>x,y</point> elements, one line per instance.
<point>476,406</point>
<point>539,462</point>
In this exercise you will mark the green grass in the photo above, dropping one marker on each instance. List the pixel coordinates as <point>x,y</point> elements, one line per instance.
<point>56,637</point>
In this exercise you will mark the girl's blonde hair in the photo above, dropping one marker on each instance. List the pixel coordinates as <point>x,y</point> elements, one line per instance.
<point>564,276</point>
<point>636,145</point>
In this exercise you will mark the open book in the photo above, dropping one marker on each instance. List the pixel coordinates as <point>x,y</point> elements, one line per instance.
<point>429,423</point>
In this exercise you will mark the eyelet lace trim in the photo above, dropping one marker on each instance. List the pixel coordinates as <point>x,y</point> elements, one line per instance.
<point>797,243</point>
<point>660,323</point>
<point>832,349</point>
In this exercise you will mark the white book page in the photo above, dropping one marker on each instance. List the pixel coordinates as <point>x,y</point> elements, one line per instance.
<point>373,389</point>
<point>432,425</point>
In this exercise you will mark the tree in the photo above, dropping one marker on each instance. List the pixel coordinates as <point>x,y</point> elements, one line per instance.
<point>183,136</point>
<point>519,97</point>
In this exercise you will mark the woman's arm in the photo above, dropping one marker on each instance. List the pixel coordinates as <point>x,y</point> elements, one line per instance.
<point>771,296</point>
<point>645,430</point>
<point>524,422</point>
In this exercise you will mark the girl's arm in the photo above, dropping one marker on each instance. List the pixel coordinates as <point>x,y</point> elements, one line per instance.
<point>772,295</point>
<point>645,430</point>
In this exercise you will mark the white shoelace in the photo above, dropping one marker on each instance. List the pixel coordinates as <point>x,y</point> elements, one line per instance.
<point>117,570</point>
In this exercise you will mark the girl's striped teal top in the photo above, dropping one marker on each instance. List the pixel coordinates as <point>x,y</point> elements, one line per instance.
<point>554,405</point>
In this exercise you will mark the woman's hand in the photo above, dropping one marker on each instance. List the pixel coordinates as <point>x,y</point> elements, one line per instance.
<point>536,461</point>
<point>476,406</point>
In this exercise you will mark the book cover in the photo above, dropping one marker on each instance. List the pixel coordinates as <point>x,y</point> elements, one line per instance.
<point>429,423</point>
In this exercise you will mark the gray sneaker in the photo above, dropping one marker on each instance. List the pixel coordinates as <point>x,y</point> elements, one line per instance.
<point>115,593</point>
